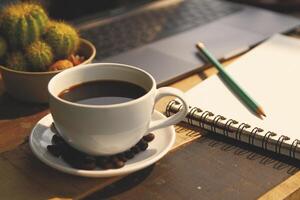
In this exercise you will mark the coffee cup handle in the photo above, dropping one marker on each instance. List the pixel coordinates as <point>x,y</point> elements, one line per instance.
<point>174,119</point>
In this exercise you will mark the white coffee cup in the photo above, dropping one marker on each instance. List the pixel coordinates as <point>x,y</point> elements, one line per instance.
<point>108,129</point>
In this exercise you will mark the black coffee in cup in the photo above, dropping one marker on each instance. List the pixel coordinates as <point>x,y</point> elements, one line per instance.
<point>103,92</point>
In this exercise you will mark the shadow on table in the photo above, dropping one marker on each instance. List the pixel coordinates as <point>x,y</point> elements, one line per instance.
<point>125,184</point>
<point>249,152</point>
<point>11,108</point>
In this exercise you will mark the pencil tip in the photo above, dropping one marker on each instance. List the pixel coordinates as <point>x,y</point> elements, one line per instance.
<point>261,112</point>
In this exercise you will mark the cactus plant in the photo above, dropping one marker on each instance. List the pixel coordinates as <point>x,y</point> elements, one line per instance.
<point>16,61</point>
<point>23,23</point>
<point>63,39</point>
<point>3,47</point>
<point>39,56</point>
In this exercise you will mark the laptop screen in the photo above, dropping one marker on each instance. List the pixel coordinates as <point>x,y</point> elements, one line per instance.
<point>72,10</point>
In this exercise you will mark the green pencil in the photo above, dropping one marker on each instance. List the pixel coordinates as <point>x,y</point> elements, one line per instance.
<point>253,106</point>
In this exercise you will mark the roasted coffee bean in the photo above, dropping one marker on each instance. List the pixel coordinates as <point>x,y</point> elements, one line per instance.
<point>122,157</point>
<point>67,149</point>
<point>118,164</point>
<point>76,162</point>
<point>53,128</point>
<point>56,139</point>
<point>101,161</point>
<point>143,145</point>
<point>102,158</point>
<point>55,150</point>
<point>88,163</point>
<point>149,137</point>
<point>81,160</point>
<point>114,159</point>
<point>128,154</point>
<point>108,165</point>
<point>71,160</point>
<point>135,149</point>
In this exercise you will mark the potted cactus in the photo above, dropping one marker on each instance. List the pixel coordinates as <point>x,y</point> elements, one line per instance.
<point>33,48</point>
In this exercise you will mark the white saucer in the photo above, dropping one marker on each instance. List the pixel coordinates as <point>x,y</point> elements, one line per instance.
<point>41,137</point>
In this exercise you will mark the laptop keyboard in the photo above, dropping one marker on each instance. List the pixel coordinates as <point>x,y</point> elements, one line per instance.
<point>137,30</point>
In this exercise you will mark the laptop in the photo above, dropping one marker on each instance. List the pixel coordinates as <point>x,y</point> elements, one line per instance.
<point>160,36</point>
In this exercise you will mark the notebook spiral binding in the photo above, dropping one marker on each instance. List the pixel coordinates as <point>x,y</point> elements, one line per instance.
<point>293,148</point>
<point>265,140</point>
<point>209,121</point>
<point>253,133</point>
<point>228,125</point>
<point>240,129</point>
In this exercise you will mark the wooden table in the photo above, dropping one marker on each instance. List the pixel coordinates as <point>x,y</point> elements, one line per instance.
<point>23,176</point>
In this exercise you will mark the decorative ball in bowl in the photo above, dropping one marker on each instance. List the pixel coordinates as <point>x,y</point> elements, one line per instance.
<point>34,48</point>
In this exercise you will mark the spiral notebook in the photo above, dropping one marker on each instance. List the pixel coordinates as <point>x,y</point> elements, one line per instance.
<point>270,73</point>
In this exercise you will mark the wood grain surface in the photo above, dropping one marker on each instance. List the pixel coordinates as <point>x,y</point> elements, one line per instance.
<point>211,167</point>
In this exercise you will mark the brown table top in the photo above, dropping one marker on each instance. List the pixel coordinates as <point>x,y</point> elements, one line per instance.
<point>189,171</point>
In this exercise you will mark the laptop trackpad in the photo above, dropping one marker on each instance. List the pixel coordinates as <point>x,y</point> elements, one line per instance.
<point>221,39</point>
<point>160,65</point>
